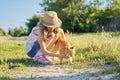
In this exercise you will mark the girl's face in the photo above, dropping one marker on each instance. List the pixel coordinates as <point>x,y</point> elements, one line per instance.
<point>50,29</point>
<point>50,32</point>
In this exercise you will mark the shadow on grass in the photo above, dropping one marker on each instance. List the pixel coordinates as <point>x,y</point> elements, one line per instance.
<point>23,62</point>
<point>5,78</point>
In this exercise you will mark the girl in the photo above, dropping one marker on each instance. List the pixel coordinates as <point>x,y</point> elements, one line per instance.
<point>43,36</point>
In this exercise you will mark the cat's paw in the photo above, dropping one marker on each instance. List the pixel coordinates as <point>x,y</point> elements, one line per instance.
<point>71,63</point>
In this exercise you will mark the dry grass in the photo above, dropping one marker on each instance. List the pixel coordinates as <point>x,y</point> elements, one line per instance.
<point>91,49</point>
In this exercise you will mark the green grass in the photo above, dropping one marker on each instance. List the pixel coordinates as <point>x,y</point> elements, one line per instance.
<point>92,49</point>
<point>98,49</point>
<point>12,56</point>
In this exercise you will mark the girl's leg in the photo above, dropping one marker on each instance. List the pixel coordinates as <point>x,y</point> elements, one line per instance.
<point>34,49</point>
<point>42,59</point>
<point>38,53</point>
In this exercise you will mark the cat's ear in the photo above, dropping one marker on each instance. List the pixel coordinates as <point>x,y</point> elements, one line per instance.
<point>73,47</point>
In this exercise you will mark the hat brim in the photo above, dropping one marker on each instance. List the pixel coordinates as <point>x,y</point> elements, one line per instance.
<point>58,24</point>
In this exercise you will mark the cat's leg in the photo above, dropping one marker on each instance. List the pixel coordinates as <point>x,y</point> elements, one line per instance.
<point>61,60</point>
<point>56,58</point>
<point>70,60</point>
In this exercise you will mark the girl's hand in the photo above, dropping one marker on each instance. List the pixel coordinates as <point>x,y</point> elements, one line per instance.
<point>56,36</point>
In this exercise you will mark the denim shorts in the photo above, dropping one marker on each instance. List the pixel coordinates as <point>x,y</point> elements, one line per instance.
<point>34,50</point>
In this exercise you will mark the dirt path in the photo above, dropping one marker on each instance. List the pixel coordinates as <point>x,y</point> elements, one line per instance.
<point>53,72</point>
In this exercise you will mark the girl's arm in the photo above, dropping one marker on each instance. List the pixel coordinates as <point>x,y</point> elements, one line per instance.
<point>43,47</point>
<point>51,42</point>
<point>48,43</point>
<point>62,34</point>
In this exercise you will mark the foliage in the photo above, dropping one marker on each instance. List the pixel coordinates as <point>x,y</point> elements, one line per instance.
<point>17,32</point>
<point>83,15</point>
<point>32,22</point>
<point>2,32</point>
<point>115,8</point>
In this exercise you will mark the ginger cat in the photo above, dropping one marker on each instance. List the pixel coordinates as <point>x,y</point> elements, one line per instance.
<point>63,47</point>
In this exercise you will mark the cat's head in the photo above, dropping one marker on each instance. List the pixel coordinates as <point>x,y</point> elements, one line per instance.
<point>70,51</point>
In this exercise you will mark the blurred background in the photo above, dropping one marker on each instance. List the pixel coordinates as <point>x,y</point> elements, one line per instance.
<point>17,18</point>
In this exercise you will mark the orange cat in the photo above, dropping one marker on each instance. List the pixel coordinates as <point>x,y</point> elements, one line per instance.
<point>63,47</point>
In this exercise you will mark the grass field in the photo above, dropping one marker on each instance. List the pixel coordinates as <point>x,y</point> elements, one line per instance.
<point>92,49</point>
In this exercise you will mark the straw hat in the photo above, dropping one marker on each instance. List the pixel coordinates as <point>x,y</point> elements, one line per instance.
<point>50,19</point>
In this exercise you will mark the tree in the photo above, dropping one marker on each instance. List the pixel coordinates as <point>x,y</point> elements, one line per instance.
<point>104,16</point>
<point>75,14</point>
<point>83,15</point>
<point>11,31</point>
<point>115,8</point>
<point>2,32</point>
<point>32,22</point>
<point>17,31</point>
